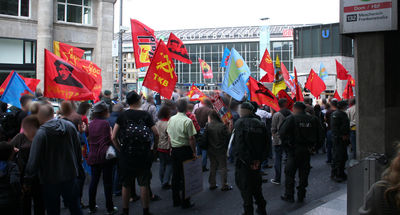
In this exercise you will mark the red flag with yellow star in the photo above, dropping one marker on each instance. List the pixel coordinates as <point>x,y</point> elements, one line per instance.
<point>195,94</point>
<point>160,75</point>
<point>67,52</point>
<point>315,84</point>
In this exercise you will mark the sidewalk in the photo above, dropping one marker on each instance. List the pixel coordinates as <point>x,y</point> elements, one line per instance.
<point>333,204</point>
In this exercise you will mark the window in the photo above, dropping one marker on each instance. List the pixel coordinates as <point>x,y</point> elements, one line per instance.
<point>14,7</point>
<point>88,54</point>
<point>74,11</point>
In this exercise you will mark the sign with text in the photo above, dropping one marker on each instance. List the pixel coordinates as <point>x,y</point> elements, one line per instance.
<point>358,16</point>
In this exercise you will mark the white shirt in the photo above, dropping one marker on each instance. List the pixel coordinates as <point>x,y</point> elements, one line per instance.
<point>264,115</point>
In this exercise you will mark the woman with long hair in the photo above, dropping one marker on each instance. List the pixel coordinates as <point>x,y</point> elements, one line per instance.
<point>383,198</point>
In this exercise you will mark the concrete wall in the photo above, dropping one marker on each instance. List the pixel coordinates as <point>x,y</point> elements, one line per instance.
<point>304,65</point>
<point>378,100</point>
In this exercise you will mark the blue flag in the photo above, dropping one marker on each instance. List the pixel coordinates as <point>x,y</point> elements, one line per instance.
<point>236,76</point>
<point>323,74</point>
<point>15,89</point>
<point>225,58</point>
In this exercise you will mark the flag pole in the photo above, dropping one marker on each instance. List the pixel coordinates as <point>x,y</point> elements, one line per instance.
<point>120,52</point>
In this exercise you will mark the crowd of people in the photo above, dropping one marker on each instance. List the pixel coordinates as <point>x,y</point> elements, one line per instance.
<point>44,155</point>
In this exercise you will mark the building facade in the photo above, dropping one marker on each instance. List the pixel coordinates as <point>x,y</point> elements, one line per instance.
<point>30,26</point>
<point>323,44</point>
<point>209,44</point>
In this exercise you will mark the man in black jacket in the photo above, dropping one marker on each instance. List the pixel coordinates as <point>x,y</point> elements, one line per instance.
<point>55,157</point>
<point>249,149</point>
<point>299,133</point>
<point>340,126</point>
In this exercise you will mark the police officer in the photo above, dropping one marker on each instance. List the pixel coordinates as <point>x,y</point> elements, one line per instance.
<point>340,126</point>
<point>249,149</point>
<point>299,133</point>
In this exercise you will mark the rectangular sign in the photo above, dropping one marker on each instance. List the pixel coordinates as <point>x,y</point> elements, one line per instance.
<point>358,16</point>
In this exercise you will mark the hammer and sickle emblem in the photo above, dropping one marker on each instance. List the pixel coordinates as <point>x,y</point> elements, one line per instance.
<point>166,66</point>
<point>268,60</point>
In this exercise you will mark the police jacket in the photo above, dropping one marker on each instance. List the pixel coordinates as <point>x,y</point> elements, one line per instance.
<point>250,140</point>
<point>300,131</point>
<point>340,123</point>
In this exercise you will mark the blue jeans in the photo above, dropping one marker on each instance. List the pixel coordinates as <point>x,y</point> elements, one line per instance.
<point>203,154</point>
<point>69,190</point>
<point>278,162</point>
<point>353,143</point>
<point>165,170</point>
<point>329,146</point>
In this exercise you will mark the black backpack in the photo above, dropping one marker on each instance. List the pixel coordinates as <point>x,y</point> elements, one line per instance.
<point>135,141</point>
<point>8,125</point>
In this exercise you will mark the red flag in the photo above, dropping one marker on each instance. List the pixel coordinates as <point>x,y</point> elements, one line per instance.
<point>267,65</point>
<point>206,69</point>
<point>352,81</point>
<point>67,52</point>
<point>177,49</point>
<point>5,83</point>
<point>288,80</point>
<point>283,95</point>
<point>348,91</point>
<point>160,76</point>
<point>63,80</point>
<point>337,96</point>
<point>299,93</point>
<point>144,43</point>
<point>95,72</point>
<point>315,84</point>
<point>195,94</point>
<point>262,95</point>
<point>341,72</point>
<point>30,82</point>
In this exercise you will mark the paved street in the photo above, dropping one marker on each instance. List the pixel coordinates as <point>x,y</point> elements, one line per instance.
<point>217,202</point>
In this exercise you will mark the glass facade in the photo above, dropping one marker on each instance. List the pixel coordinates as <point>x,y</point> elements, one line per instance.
<point>321,41</point>
<point>212,53</point>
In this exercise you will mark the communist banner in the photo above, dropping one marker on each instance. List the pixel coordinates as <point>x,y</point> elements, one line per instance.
<point>195,94</point>
<point>267,65</point>
<point>95,72</point>
<point>262,95</point>
<point>160,75</point>
<point>65,81</point>
<point>144,43</point>
<point>67,52</point>
<point>315,84</point>
<point>177,49</point>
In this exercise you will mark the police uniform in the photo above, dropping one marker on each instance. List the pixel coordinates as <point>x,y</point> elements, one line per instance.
<point>340,126</point>
<point>299,133</point>
<point>249,145</point>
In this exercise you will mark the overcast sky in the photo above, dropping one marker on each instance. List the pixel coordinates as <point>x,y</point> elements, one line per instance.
<point>186,14</point>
